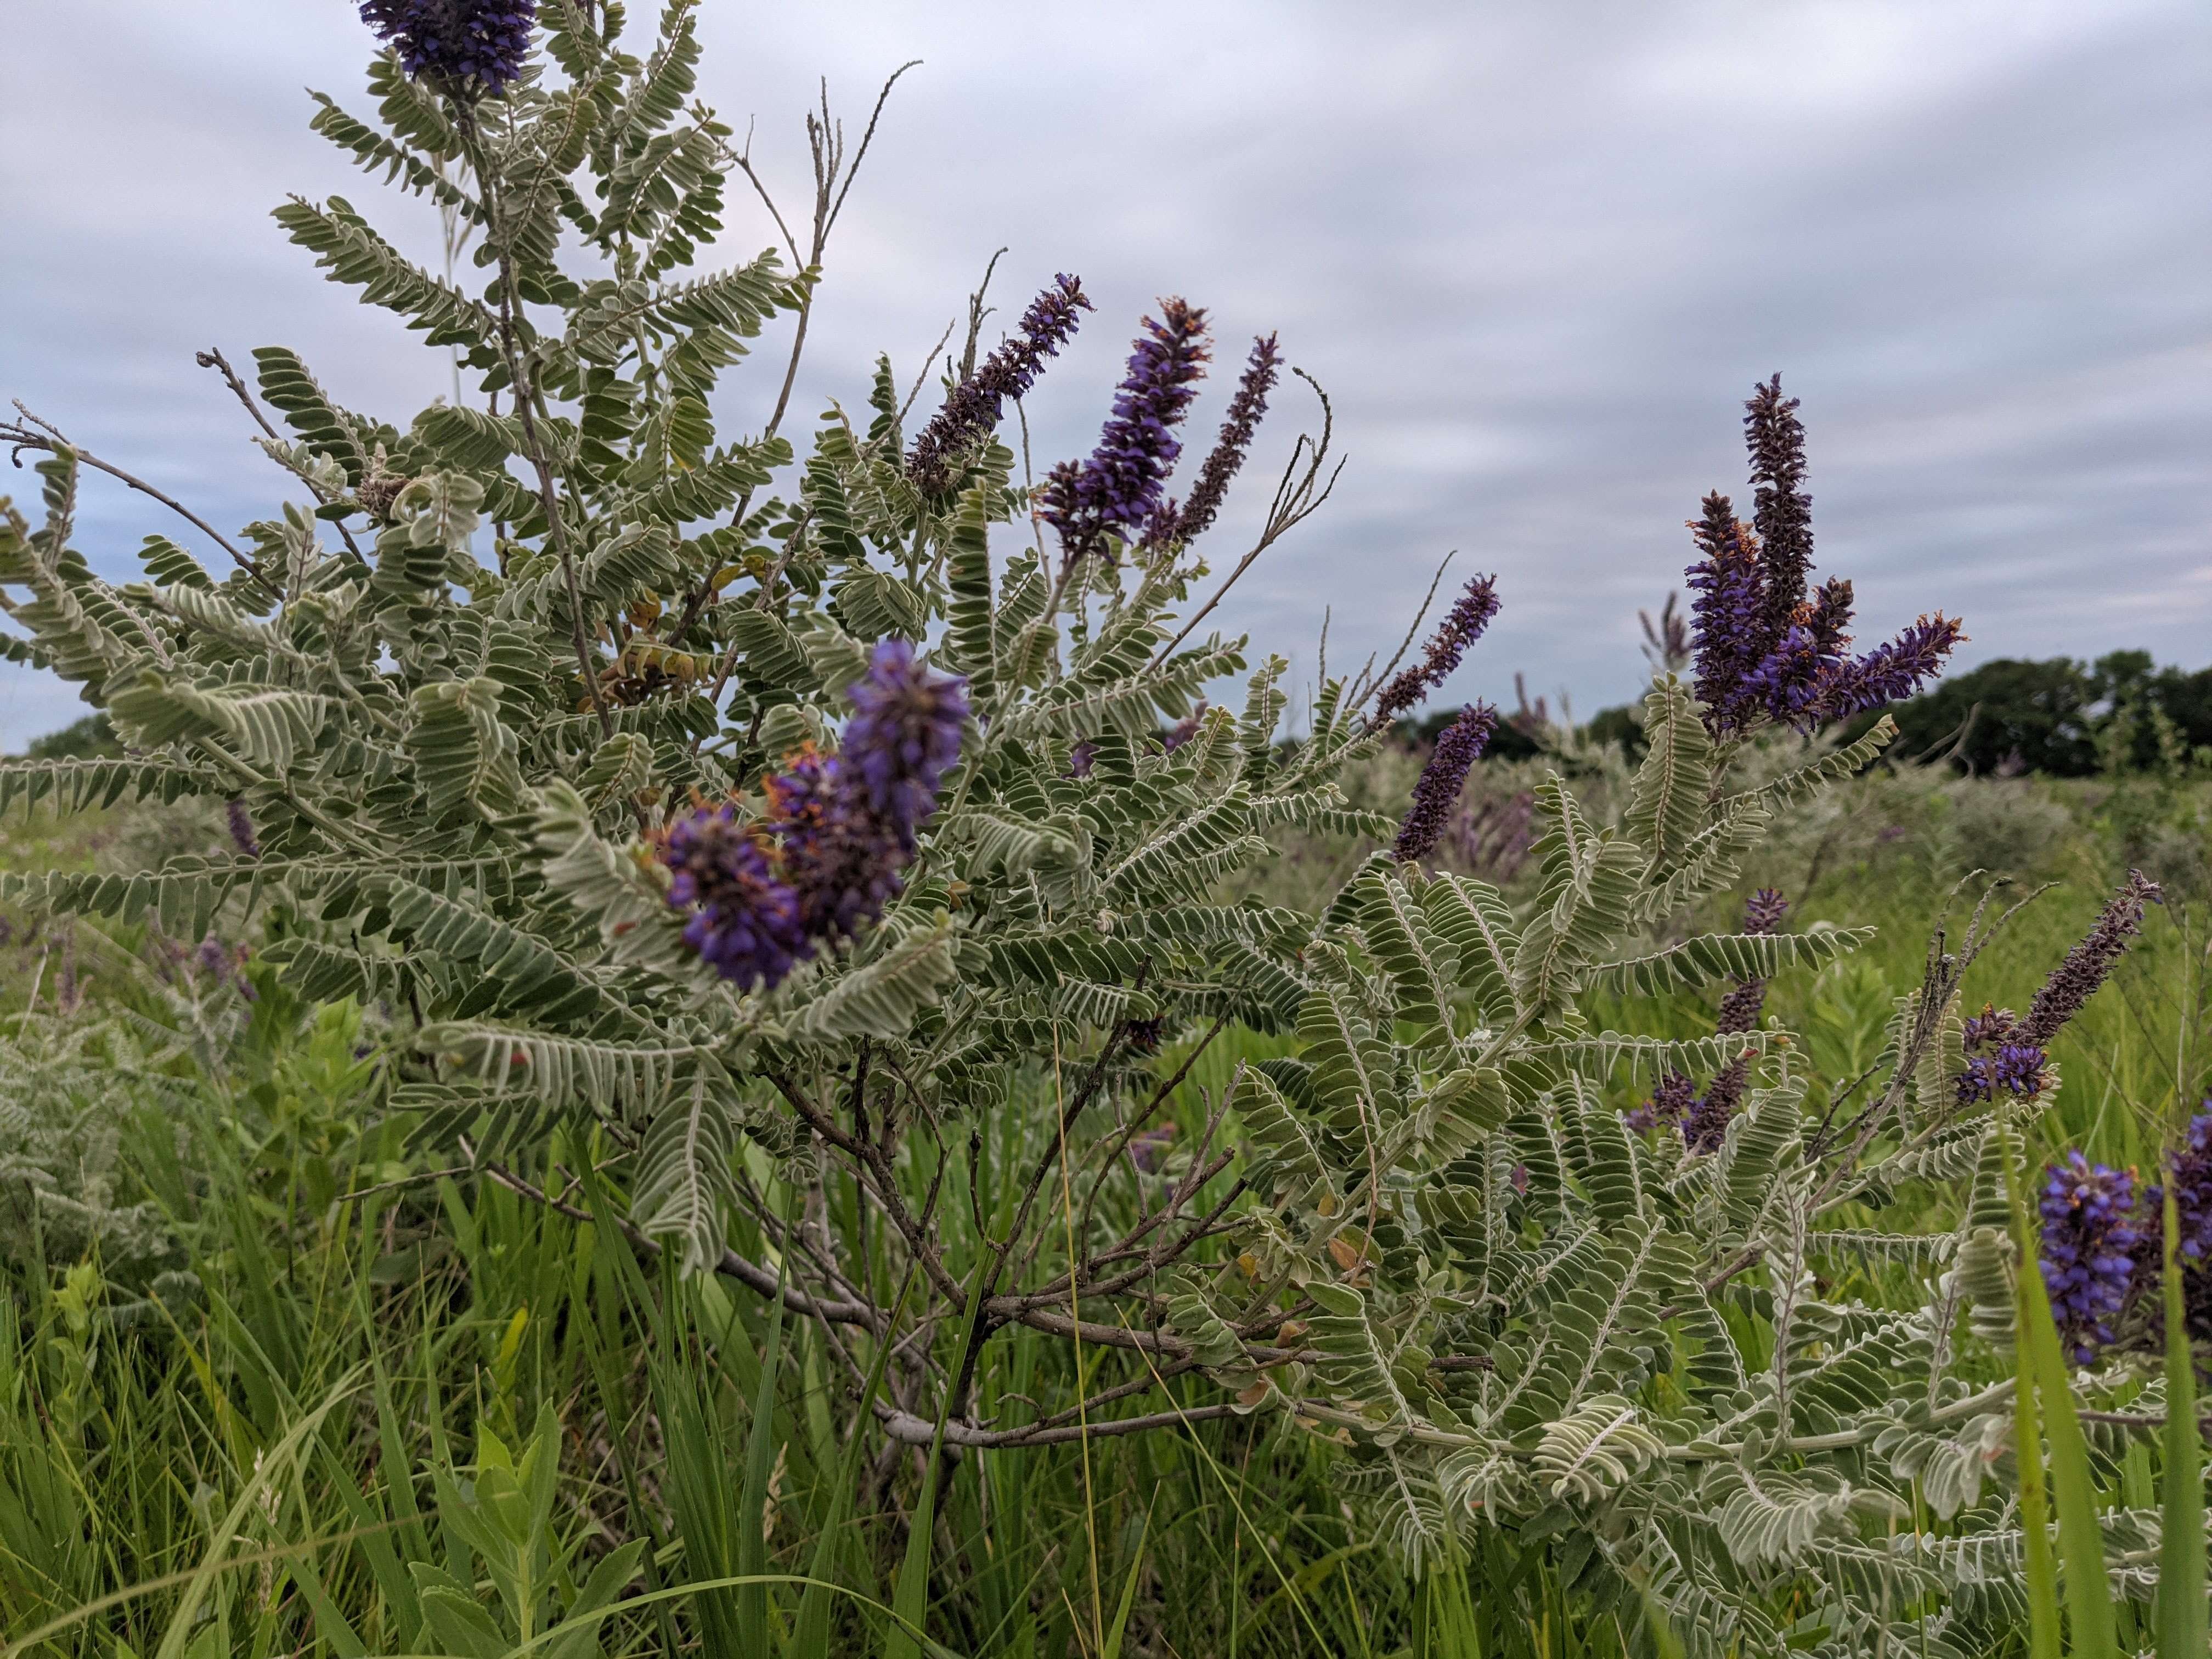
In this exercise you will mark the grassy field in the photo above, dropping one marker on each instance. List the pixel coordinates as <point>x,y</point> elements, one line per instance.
<point>275,1381</point>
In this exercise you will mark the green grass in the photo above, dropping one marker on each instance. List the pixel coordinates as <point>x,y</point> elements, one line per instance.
<point>282,1387</point>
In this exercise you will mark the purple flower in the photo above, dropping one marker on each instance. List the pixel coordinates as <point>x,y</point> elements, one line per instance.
<point>2190,1167</point>
<point>1763,910</point>
<point>1184,729</point>
<point>2089,1240</point>
<point>2015,1069</point>
<point>972,409</point>
<point>1121,486</point>
<point>1149,1148</point>
<point>465,46</point>
<point>241,830</point>
<point>1670,1102</point>
<point>2076,980</point>
<point>1471,613</point>
<point>1728,613</point>
<point>1080,757</point>
<point>1194,517</point>
<point>842,860</point>
<point>1765,650</point>
<point>1706,1126</point>
<point>1436,791</point>
<point>746,924</point>
<point>905,735</point>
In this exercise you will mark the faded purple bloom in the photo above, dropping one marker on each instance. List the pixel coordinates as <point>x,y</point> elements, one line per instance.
<point>1184,729</point>
<point>1079,758</point>
<point>1462,627</point>
<point>1520,1179</point>
<point>1993,1025</point>
<point>2015,1069</point>
<point>746,925</point>
<point>1121,486</point>
<point>1669,1104</point>
<point>241,830</point>
<point>1705,1124</point>
<point>1710,1115</point>
<point>1436,791</point>
<point>1783,513</point>
<point>1149,1148</point>
<point>465,46</point>
<point>1763,910</point>
<point>1194,517</point>
<point>2089,1238</point>
<point>972,409</point>
<point>2076,980</point>
<point>904,738</point>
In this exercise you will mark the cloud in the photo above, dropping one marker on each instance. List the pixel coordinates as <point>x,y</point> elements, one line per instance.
<point>1537,255</point>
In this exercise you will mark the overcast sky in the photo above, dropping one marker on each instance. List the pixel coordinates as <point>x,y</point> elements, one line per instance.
<point>1537,253</point>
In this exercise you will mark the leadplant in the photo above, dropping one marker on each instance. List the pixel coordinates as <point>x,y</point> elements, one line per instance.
<point>459,688</point>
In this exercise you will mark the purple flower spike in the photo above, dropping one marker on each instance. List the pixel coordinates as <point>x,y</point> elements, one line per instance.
<point>465,46</point>
<point>1194,517</point>
<point>842,860</point>
<point>2189,1167</point>
<point>1704,1123</point>
<point>1437,790</point>
<point>747,921</point>
<point>1765,650</point>
<point>972,409</point>
<point>1121,486</point>
<point>2015,1069</point>
<point>2076,980</point>
<point>1728,613</point>
<point>904,738</point>
<point>1669,1104</point>
<point>1785,512</point>
<point>1471,613</point>
<point>241,830</point>
<point>2089,1238</point>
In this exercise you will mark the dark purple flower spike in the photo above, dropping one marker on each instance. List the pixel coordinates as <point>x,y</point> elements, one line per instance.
<point>1120,487</point>
<point>465,47</point>
<point>1437,790</point>
<point>972,409</point>
<point>1766,651</point>
<point>1463,624</point>
<point>1186,524</point>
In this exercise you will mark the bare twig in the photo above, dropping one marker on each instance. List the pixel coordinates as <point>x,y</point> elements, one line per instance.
<point>32,432</point>
<point>1298,497</point>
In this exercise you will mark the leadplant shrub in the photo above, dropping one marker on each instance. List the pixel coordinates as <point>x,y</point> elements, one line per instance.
<point>505,701</point>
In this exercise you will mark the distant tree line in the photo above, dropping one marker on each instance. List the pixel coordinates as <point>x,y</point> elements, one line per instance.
<point>2060,718</point>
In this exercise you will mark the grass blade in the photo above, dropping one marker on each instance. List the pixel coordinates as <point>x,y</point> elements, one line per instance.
<point>2044,1641</point>
<point>910,1598</point>
<point>760,1461</point>
<point>2181,1612</point>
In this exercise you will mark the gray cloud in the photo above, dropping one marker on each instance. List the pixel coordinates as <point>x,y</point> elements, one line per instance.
<point>1536,254</point>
